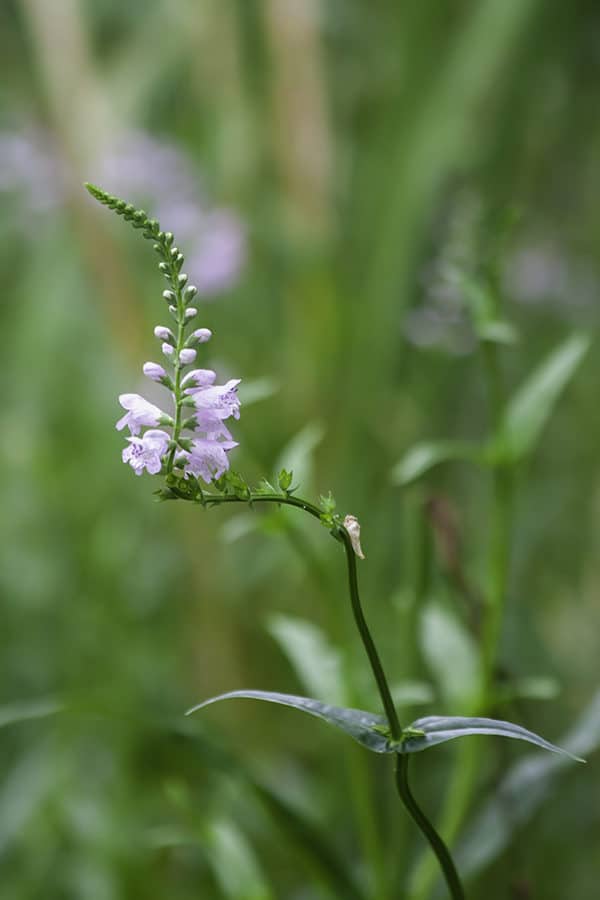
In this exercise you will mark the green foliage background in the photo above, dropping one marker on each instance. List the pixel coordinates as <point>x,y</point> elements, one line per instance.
<point>365,145</point>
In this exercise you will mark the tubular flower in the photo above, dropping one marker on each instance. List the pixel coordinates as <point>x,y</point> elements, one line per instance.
<point>220,398</point>
<point>140,413</point>
<point>207,459</point>
<point>146,452</point>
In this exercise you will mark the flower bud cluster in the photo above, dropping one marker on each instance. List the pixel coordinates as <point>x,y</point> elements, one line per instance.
<point>193,438</point>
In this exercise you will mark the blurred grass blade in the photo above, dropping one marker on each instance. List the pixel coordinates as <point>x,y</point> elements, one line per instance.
<point>521,793</point>
<point>530,408</point>
<point>312,842</point>
<point>359,724</point>
<point>439,729</point>
<point>297,455</point>
<point>317,663</point>
<point>257,389</point>
<point>444,637</point>
<point>423,457</point>
<point>12,713</point>
<point>234,863</point>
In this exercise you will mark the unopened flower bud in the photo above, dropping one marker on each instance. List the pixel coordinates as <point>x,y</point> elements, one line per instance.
<point>201,335</point>
<point>154,371</point>
<point>353,528</point>
<point>169,296</point>
<point>167,349</point>
<point>199,378</point>
<point>187,356</point>
<point>182,279</point>
<point>191,312</point>
<point>164,334</point>
<point>189,293</point>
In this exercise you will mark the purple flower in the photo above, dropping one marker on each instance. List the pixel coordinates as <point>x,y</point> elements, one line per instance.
<point>199,378</point>
<point>167,349</point>
<point>146,452</point>
<point>220,398</point>
<point>211,423</point>
<point>140,412</point>
<point>216,261</point>
<point>191,312</point>
<point>208,459</point>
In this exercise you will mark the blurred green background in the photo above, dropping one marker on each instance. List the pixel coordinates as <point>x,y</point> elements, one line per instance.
<point>326,166</point>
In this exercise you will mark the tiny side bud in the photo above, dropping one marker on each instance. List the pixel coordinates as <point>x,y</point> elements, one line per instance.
<point>352,526</point>
<point>154,371</point>
<point>187,356</point>
<point>164,334</point>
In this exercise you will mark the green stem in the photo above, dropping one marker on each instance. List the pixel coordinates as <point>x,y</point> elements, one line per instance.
<point>368,643</point>
<point>464,778</point>
<point>437,844</point>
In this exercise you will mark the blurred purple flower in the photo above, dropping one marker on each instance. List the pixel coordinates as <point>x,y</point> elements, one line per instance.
<point>140,167</point>
<point>214,240</point>
<point>31,169</point>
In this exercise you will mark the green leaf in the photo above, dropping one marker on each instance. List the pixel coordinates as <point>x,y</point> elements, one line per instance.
<point>372,731</point>
<point>259,389</point>
<point>498,332</point>
<point>359,724</point>
<point>520,794</point>
<point>530,408</point>
<point>12,713</point>
<point>439,729</point>
<point>234,862</point>
<point>317,663</point>
<point>423,457</point>
<point>298,455</point>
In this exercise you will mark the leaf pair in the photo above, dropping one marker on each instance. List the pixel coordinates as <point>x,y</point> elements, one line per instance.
<point>372,730</point>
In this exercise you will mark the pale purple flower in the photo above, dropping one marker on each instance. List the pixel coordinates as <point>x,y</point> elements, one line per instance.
<point>202,335</point>
<point>211,423</point>
<point>140,413</point>
<point>146,452</point>
<point>154,371</point>
<point>199,378</point>
<point>221,398</point>
<point>167,349</point>
<point>207,459</point>
<point>191,312</point>
<point>187,356</point>
<point>164,334</point>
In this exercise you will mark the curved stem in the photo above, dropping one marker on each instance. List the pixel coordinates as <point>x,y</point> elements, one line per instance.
<point>368,643</point>
<point>437,844</point>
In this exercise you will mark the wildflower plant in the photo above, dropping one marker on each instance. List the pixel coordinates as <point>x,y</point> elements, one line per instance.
<point>188,445</point>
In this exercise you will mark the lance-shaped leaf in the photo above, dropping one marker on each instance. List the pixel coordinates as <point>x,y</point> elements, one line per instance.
<point>365,727</point>
<point>530,408</point>
<point>438,729</point>
<point>425,456</point>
